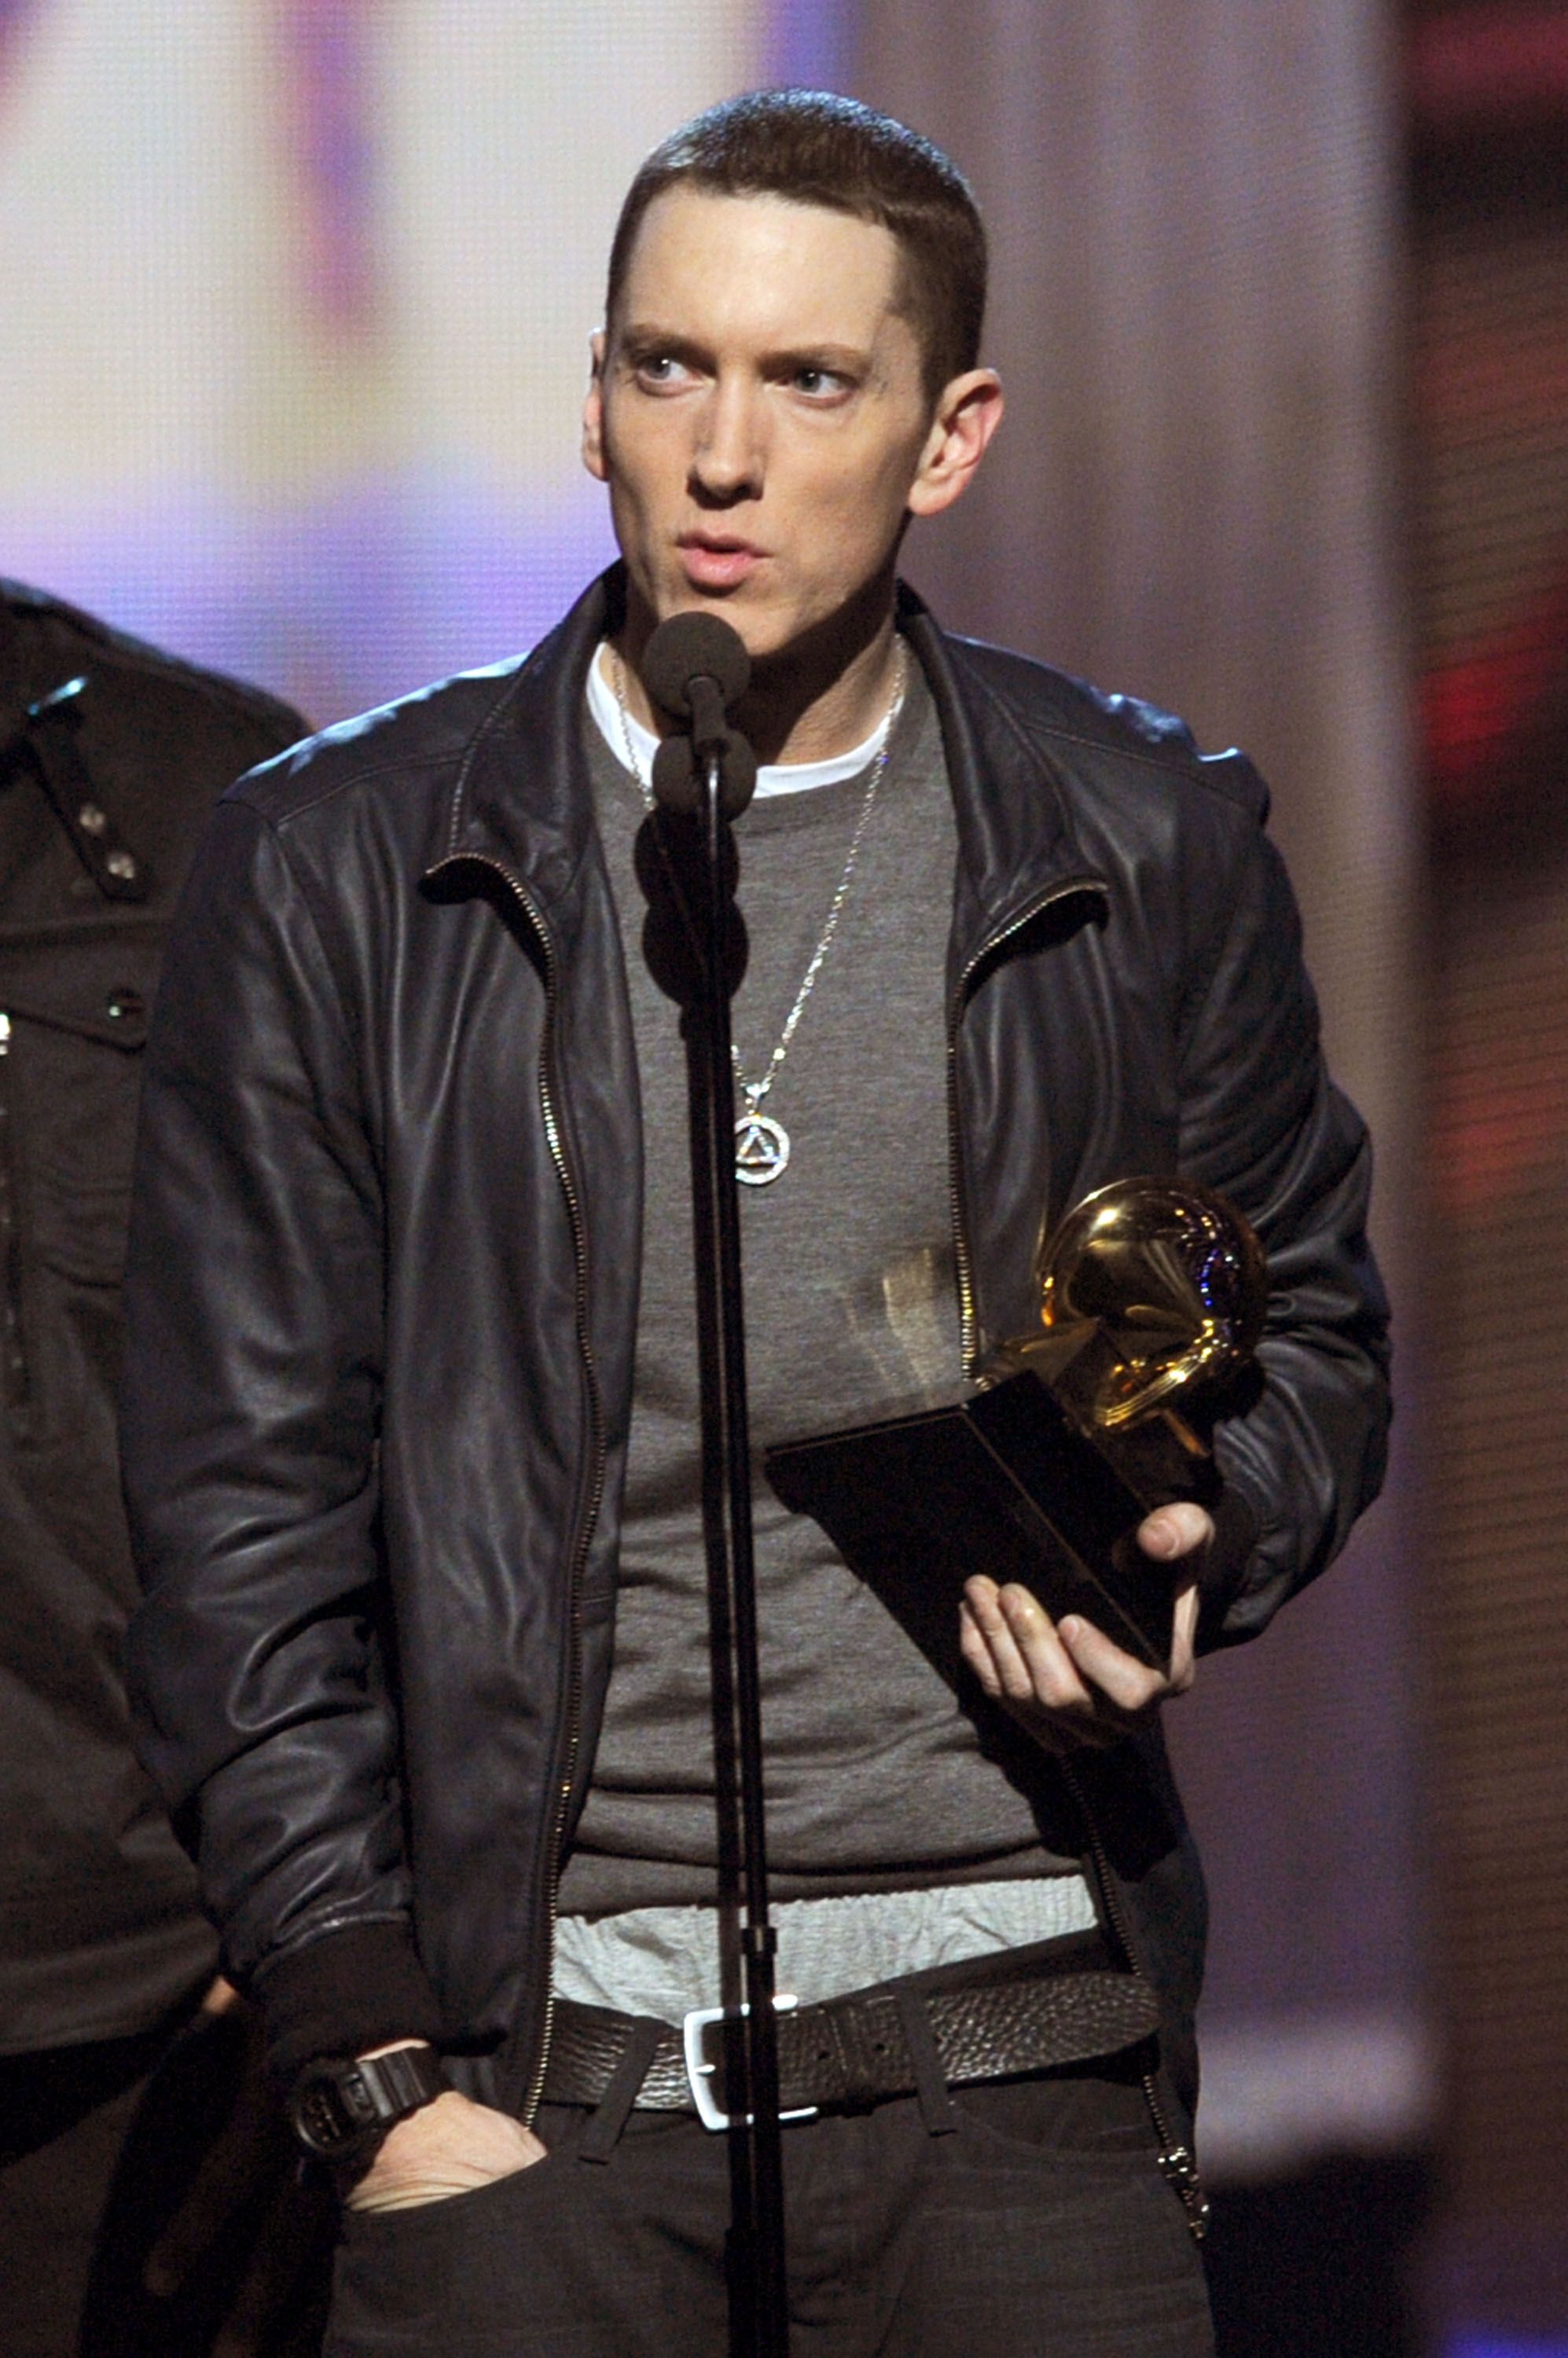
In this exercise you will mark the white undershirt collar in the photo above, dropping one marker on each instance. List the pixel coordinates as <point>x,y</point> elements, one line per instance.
<point>775,778</point>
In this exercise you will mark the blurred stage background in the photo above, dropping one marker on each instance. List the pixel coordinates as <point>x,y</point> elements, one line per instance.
<point>296,298</point>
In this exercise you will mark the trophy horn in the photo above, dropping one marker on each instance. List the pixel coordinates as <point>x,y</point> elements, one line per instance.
<point>1171,1280</point>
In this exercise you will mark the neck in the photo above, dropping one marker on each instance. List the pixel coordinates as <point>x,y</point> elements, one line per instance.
<point>821,696</point>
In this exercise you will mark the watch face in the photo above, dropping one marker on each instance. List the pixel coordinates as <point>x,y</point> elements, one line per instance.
<point>321,2118</point>
<point>340,2110</point>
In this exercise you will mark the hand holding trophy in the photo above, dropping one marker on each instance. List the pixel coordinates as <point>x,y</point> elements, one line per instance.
<point>1152,1294</point>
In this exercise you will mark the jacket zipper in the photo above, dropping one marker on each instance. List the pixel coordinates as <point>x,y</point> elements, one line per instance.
<point>1177,2163</point>
<point>590,1514</point>
<point>13,1352</point>
<point>963,1263</point>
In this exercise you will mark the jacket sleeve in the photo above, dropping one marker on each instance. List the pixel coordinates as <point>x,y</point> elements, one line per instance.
<point>1262,1122</point>
<point>249,1419</point>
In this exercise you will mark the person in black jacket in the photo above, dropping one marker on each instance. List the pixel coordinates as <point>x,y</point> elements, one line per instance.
<point>111,758</point>
<point>413,1398</point>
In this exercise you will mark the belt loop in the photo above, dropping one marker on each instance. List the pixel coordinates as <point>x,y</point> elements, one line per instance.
<point>930,2081</point>
<point>602,2133</point>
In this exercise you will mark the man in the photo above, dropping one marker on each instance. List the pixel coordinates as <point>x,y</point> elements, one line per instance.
<point>413,1400</point>
<point>112,755</point>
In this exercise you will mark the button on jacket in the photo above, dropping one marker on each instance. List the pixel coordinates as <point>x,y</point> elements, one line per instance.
<point>111,758</point>
<point>384,1288</point>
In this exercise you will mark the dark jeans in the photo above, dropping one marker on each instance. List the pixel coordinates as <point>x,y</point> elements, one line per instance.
<point>1040,2228</point>
<point>98,2145</point>
<point>64,2117</point>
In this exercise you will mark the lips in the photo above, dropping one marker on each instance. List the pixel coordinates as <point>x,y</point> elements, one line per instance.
<point>713,561</point>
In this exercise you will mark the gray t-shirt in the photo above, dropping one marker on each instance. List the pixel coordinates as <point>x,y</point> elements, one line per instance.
<point>876,1778</point>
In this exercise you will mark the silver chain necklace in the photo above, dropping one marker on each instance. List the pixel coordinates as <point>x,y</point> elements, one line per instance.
<point>763,1143</point>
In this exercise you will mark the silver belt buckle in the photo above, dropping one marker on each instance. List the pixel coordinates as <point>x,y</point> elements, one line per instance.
<point>700,2072</point>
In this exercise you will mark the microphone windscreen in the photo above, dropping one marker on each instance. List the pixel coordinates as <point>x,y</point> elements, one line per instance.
<point>677,783</point>
<point>693,646</point>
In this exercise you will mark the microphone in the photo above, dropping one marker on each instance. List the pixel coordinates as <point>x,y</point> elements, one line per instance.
<point>695,666</point>
<point>694,663</point>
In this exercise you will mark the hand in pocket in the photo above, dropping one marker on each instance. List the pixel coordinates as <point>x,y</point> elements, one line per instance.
<point>449,2146</point>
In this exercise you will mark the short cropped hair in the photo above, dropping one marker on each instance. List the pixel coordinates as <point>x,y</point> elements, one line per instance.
<point>816,148</point>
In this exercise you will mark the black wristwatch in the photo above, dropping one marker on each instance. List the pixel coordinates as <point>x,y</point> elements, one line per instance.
<point>340,2110</point>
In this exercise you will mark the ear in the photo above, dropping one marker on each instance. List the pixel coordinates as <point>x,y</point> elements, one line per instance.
<point>593,412</point>
<point>967,413</point>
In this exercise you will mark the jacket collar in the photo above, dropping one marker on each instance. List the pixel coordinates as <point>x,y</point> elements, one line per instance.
<point>1017,850</point>
<point>523,796</point>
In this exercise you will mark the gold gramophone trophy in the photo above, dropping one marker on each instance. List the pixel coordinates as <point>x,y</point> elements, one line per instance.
<point>1151,1301</point>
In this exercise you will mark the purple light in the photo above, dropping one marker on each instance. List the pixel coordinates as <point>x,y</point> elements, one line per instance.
<point>1488,2346</point>
<point>810,44</point>
<point>14,16</point>
<point>327,49</point>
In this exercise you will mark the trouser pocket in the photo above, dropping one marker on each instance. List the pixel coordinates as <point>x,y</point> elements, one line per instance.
<point>453,2273</point>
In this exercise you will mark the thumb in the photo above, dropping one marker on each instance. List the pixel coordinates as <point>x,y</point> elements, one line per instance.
<point>1175,1530</point>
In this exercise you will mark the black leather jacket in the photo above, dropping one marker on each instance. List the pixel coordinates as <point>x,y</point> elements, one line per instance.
<point>112,756</point>
<point>383,1292</point>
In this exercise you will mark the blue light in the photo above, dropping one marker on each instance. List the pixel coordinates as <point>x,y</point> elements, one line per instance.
<point>1471,2345</point>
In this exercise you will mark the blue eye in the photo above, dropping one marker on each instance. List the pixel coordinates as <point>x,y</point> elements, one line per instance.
<point>819,384</point>
<point>657,369</point>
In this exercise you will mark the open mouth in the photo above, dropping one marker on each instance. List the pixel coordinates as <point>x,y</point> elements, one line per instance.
<point>713,561</point>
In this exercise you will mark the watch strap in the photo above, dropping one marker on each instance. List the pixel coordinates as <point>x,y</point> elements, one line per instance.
<point>341,2109</point>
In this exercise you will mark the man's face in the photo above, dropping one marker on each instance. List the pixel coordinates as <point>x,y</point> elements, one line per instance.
<point>757,412</point>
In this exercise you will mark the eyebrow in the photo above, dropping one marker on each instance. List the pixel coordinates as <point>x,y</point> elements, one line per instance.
<point>838,360</point>
<point>646,337</point>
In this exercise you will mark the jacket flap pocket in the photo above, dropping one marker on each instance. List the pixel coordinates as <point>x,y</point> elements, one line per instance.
<point>100,991</point>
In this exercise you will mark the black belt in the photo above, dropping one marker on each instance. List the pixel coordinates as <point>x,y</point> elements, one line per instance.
<point>853,2051</point>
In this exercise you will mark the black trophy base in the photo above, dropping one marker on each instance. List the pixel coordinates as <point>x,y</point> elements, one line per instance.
<point>1002,1483</point>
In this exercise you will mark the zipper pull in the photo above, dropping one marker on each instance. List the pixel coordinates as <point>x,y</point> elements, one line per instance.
<point>1180,2169</point>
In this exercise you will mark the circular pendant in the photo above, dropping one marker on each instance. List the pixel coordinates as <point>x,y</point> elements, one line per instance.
<point>762,1149</point>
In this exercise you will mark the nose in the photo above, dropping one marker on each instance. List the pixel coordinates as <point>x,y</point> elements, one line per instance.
<point>726,458</point>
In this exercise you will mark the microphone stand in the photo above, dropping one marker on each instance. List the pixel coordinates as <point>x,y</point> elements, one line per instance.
<point>731,1569</point>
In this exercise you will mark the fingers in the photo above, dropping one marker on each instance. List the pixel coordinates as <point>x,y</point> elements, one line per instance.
<point>1012,1646</point>
<point>1129,1686</point>
<point>1067,1682</point>
<point>1175,1530</point>
<point>1020,1643</point>
<point>1184,1637</point>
